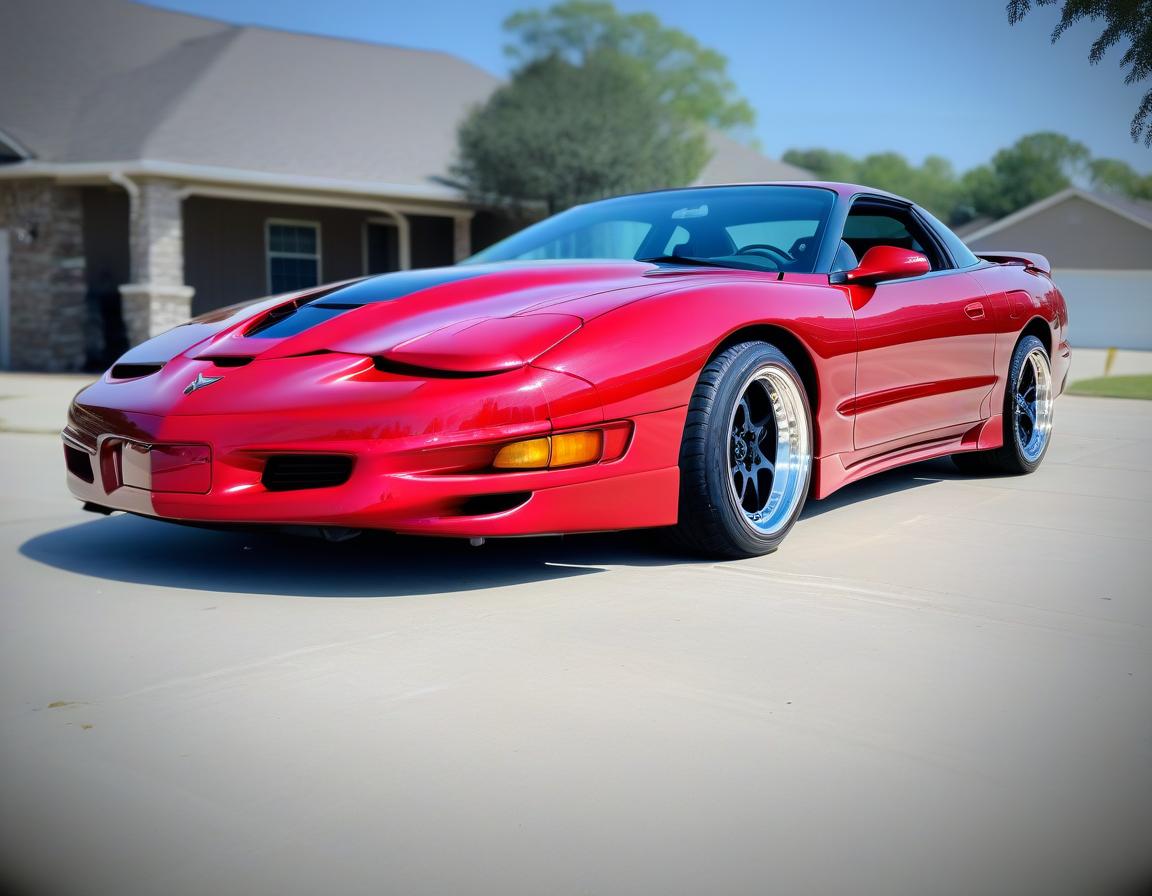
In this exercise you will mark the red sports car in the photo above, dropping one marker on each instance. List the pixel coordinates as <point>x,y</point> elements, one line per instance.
<point>700,359</point>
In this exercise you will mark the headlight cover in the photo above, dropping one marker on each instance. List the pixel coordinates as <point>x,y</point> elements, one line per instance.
<point>493,345</point>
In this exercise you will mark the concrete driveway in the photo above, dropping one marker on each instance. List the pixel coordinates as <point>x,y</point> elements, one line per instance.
<point>940,685</point>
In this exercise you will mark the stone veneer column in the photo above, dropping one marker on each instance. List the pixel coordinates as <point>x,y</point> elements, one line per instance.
<point>47,274</point>
<point>157,299</point>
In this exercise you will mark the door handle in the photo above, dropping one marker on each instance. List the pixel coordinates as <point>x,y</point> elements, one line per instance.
<point>975,310</point>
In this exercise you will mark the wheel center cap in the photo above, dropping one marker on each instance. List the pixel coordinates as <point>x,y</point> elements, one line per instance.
<point>740,449</point>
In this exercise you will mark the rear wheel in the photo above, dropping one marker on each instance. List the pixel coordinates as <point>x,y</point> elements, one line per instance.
<point>1027,416</point>
<point>746,458</point>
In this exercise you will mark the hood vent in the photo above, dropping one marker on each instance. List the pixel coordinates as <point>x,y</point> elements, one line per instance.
<point>386,365</point>
<point>296,317</point>
<point>295,320</point>
<point>133,371</point>
<point>226,360</point>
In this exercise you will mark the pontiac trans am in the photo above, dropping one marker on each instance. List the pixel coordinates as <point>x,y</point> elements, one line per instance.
<point>704,360</point>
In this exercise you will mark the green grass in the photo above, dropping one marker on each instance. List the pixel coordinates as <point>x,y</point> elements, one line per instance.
<point>1115,386</point>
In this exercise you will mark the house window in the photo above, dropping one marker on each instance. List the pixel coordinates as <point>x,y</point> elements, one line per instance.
<point>293,255</point>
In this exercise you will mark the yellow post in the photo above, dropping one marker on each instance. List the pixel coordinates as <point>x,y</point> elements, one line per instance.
<point>1109,360</point>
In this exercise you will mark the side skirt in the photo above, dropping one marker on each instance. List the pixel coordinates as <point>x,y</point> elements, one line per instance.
<point>838,470</point>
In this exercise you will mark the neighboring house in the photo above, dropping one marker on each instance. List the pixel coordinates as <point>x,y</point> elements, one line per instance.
<point>1101,253</point>
<point>192,164</point>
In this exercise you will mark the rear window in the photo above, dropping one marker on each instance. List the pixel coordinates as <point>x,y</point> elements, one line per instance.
<point>961,254</point>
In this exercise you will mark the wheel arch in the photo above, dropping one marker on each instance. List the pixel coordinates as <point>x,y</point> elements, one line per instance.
<point>1039,328</point>
<point>792,347</point>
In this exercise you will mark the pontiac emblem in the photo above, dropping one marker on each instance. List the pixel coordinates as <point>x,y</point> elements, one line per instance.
<point>200,382</point>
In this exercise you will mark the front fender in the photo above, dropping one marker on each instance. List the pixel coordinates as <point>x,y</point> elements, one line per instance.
<point>647,356</point>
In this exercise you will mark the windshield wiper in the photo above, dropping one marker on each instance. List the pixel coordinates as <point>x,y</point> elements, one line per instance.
<point>684,259</point>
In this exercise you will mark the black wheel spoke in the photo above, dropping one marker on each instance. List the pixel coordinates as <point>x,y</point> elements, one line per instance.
<point>751,397</point>
<point>769,449</point>
<point>743,415</point>
<point>1032,407</point>
<point>765,419</point>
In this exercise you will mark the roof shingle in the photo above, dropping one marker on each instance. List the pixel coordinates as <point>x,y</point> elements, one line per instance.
<point>114,81</point>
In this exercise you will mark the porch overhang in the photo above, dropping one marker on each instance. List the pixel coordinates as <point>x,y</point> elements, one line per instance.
<point>157,296</point>
<point>424,197</point>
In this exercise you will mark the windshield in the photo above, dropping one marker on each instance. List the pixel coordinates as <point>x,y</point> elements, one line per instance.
<point>769,228</point>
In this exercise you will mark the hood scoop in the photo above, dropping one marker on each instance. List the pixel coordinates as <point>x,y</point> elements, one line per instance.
<point>377,315</point>
<point>297,317</point>
<point>291,320</point>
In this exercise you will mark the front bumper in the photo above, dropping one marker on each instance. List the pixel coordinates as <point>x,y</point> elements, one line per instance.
<point>417,460</point>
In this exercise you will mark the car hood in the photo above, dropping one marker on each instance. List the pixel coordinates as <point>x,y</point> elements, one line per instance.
<point>469,318</point>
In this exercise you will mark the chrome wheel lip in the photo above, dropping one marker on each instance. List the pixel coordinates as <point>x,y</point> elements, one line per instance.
<point>792,461</point>
<point>1032,405</point>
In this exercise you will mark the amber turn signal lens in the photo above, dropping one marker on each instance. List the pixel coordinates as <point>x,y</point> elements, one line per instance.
<point>572,448</point>
<point>568,449</point>
<point>532,454</point>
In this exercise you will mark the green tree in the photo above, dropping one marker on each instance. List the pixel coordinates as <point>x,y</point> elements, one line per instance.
<point>825,164</point>
<point>886,170</point>
<point>1115,176</point>
<point>1034,167</point>
<point>562,133</point>
<point>691,78</point>
<point>933,184</point>
<point>939,187</point>
<point>1123,19</point>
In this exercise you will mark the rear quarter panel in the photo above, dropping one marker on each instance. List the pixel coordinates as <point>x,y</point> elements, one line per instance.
<point>1022,297</point>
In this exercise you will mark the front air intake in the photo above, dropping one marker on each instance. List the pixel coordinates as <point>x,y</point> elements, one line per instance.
<point>79,463</point>
<point>296,472</point>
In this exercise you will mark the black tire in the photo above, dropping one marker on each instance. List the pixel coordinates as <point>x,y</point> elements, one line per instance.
<point>1010,458</point>
<point>711,521</point>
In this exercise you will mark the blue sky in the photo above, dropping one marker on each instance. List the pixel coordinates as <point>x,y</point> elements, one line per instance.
<point>941,76</point>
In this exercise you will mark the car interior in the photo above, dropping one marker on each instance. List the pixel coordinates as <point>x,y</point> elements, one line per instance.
<point>772,244</point>
<point>793,245</point>
<point>870,225</point>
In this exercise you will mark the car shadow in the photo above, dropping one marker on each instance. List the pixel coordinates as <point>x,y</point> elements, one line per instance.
<point>901,479</point>
<point>128,548</point>
<point>133,549</point>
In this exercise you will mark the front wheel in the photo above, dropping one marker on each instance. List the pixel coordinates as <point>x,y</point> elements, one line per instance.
<point>746,458</point>
<point>1028,401</point>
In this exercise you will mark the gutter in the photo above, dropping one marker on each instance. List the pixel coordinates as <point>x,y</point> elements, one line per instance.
<point>99,171</point>
<point>133,191</point>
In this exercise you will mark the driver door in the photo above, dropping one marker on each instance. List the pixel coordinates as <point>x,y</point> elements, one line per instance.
<point>925,343</point>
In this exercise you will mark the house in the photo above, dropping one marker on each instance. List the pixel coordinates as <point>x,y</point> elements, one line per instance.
<point>1101,253</point>
<point>155,165</point>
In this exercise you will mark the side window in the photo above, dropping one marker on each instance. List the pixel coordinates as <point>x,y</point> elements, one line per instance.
<point>876,224</point>
<point>961,254</point>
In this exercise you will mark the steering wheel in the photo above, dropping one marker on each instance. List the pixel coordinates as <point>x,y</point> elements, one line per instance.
<point>765,249</point>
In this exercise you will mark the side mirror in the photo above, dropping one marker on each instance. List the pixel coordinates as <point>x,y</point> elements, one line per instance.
<point>886,263</point>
